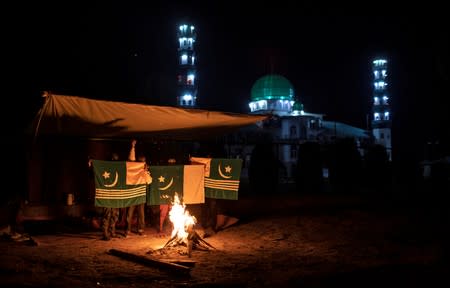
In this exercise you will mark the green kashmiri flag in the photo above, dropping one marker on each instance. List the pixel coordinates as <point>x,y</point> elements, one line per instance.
<point>119,184</point>
<point>185,180</point>
<point>222,177</point>
<point>166,181</point>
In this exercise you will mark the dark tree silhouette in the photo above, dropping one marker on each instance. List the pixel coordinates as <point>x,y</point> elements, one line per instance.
<point>309,171</point>
<point>345,166</point>
<point>378,170</point>
<point>263,170</point>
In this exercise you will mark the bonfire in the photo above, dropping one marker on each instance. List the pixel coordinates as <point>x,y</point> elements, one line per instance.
<point>183,232</point>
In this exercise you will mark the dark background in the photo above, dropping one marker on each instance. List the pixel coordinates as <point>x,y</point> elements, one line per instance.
<point>127,51</point>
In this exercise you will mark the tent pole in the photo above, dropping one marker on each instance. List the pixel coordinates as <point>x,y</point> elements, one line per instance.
<point>45,95</point>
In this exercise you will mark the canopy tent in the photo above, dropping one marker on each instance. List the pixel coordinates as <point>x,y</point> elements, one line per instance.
<point>56,166</point>
<point>83,117</point>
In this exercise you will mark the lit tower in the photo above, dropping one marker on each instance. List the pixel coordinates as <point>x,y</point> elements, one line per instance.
<point>186,78</point>
<point>381,121</point>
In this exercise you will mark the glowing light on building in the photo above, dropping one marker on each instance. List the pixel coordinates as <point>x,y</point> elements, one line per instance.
<point>186,79</point>
<point>274,93</point>
<point>379,62</point>
<point>190,79</point>
<point>380,85</point>
<point>187,97</point>
<point>381,123</point>
<point>184,59</point>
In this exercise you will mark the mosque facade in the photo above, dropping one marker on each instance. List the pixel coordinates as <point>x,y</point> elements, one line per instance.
<point>288,126</point>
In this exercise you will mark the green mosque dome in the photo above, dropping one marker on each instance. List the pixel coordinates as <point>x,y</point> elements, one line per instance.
<point>272,87</point>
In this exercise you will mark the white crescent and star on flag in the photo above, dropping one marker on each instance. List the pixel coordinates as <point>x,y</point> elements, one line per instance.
<point>162,180</point>
<point>107,175</point>
<point>227,170</point>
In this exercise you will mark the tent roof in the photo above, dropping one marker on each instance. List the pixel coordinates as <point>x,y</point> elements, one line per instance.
<point>77,116</point>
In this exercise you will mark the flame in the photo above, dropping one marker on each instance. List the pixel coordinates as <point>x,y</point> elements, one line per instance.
<point>181,219</point>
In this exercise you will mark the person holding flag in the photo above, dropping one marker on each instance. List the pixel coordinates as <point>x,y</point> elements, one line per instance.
<point>140,208</point>
<point>110,215</point>
<point>118,184</point>
<point>222,177</point>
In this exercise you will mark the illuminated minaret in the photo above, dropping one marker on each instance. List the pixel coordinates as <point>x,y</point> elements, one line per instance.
<point>186,78</point>
<point>381,117</point>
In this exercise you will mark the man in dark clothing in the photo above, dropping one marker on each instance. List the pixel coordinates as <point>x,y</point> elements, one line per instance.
<point>140,208</point>
<point>110,216</point>
<point>109,220</point>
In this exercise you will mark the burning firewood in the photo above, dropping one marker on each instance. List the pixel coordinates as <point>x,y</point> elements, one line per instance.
<point>192,241</point>
<point>183,229</point>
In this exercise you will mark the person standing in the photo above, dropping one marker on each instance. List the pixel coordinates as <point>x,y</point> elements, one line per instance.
<point>140,208</point>
<point>164,208</point>
<point>110,216</point>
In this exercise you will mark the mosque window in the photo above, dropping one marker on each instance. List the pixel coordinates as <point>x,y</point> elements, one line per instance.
<point>184,59</point>
<point>376,74</point>
<point>293,131</point>
<point>293,152</point>
<point>380,85</point>
<point>190,79</point>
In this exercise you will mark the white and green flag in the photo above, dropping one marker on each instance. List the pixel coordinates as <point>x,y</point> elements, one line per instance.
<point>119,184</point>
<point>185,180</point>
<point>222,177</point>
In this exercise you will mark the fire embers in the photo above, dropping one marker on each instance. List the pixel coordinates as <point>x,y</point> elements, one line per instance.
<point>192,241</point>
<point>183,232</point>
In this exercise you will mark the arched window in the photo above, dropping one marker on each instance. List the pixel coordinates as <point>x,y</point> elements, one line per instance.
<point>293,152</point>
<point>293,131</point>
<point>184,59</point>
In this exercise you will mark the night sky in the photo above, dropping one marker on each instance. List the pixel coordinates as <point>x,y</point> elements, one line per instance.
<point>127,51</point>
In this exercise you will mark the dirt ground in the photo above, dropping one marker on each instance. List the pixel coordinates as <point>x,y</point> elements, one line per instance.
<point>320,241</point>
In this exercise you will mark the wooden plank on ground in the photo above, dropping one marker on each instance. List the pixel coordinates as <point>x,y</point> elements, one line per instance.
<point>172,267</point>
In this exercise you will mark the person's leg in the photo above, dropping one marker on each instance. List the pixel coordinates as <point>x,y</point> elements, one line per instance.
<point>122,218</point>
<point>105,223</point>
<point>141,218</point>
<point>130,213</point>
<point>210,217</point>
<point>220,216</point>
<point>223,219</point>
<point>113,221</point>
<point>163,211</point>
<point>154,216</point>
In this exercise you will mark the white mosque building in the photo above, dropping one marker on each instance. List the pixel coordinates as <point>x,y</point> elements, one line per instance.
<point>289,126</point>
<point>273,94</point>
